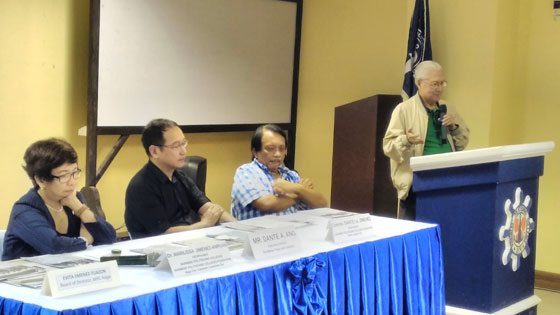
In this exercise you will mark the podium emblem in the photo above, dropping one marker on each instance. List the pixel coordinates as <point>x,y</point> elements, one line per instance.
<point>515,232</point>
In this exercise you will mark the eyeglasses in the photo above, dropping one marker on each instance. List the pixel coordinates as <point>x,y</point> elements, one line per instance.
<point>272,149</point>
<point>66,177</point>
<point>437,84</point>
<point>177,145</point>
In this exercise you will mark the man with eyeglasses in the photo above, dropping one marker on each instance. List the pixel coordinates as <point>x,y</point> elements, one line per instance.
<point>160,198</point>
<point>419,126</point>
<point>265,186</point>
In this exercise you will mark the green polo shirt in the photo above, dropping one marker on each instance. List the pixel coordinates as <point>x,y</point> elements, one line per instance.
<point>433,144</point>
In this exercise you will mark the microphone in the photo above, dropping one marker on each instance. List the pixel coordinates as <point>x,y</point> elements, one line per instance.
<point>150,259</point>
<point>443,133</point>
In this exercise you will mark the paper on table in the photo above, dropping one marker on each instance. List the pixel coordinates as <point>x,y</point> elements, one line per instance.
<point>298,221</point>
<point>273,222</point>
<point>60,260</point>
<point>236,225</point>
<point>22,273</point>
<point>329,213</point>
<point>235,240</point>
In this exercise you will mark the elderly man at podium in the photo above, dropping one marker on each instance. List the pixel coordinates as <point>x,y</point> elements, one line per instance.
<point>421,125</point>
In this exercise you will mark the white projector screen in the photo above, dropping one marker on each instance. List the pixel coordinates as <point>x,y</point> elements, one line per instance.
<point>198,62</point>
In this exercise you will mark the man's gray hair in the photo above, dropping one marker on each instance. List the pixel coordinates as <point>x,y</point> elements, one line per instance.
<point>422,69</point>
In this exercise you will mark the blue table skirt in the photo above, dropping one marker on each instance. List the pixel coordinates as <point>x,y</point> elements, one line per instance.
<point>397,275</point>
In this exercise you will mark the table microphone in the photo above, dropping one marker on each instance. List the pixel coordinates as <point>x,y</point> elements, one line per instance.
<point>443,112</point>
<point>150,259</point>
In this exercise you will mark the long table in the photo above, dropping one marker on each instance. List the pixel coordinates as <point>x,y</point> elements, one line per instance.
<point>399,270</point>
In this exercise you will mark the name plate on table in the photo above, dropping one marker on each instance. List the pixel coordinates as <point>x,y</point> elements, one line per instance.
<point>350,228</point>
<point>267,243</point>
<point>81,279</point>
<point>198,258</point>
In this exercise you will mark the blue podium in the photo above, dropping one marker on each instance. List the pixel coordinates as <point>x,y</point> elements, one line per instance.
<point>485,201</point>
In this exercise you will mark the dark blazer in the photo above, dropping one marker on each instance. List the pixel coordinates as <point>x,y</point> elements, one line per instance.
<point>31,230</point>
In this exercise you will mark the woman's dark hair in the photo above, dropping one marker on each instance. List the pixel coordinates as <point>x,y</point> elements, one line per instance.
<point>43,156</point>
<point>256,140</point>
<point>153,133</point>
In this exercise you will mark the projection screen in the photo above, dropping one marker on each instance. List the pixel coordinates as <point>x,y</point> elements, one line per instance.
<point>198,62</point>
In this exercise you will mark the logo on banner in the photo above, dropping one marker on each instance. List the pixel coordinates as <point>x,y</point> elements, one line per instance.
<point>515,232</point>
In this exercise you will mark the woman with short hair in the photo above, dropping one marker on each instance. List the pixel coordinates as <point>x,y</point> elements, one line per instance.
<point>51,217</point>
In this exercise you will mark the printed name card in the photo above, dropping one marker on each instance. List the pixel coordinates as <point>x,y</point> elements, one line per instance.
<point>81,279</point>
<point>198,258</point>
<point>350,228</point>
<point>269,243</point>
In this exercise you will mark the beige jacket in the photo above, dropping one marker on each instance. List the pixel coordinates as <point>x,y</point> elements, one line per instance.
<point>411,114</point>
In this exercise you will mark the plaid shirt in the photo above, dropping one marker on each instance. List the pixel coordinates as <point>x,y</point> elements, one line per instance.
<point>254,180</point>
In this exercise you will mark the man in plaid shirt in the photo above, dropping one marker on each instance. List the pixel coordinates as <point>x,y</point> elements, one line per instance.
<point>265,186</point>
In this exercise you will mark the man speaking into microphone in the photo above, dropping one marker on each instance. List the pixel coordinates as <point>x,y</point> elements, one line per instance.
<point>421,125</point>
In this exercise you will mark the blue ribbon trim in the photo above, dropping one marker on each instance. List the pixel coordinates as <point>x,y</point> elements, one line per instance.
<point>307,296</point>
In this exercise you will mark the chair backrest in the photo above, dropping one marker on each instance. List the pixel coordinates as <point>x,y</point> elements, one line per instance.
<point>195,169</point>
<point>2,233</point>
<point>92,200</point>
